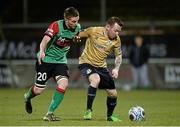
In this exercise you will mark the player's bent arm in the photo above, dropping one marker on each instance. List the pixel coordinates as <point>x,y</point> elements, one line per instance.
<point>118,61</point>
<point>44,42</point>
<point>77,38</point>
<point>43,45</point>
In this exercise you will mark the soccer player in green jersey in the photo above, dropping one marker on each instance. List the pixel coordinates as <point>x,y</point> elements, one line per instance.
<point>100,42</point>
<point>52,61</point>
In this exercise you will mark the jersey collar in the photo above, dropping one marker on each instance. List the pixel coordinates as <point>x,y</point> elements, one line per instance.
<point>66,28</point>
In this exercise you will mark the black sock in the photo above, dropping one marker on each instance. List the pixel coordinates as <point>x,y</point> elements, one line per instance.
<point>111,104</point>
<point>90,97</point>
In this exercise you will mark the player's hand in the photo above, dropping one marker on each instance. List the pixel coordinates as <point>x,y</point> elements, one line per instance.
<point>115,73</point>
<point>41,56</point>
<point>76,39</point>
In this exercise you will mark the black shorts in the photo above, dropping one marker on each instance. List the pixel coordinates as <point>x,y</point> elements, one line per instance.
<point>106,81</point>
<point>48,70</point>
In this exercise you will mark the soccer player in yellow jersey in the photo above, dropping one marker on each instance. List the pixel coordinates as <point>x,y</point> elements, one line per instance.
<point>92,63</point>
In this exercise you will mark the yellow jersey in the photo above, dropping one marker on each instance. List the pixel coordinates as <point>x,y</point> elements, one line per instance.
<point>98,46</point>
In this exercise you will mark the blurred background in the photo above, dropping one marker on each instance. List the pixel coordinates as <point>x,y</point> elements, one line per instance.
<point>23,23</point>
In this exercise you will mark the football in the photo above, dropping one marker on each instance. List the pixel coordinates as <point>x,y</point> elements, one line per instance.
<point>136,113</point>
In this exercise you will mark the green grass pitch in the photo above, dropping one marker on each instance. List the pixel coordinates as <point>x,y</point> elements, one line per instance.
<point>162,108</point>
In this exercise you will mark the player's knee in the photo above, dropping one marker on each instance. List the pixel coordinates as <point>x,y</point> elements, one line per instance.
<point>112,94</point>
<point>62,82</point>
<point>94,79</point>
<point>38,90</point>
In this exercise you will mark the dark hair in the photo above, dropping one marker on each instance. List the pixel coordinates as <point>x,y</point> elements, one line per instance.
<point>70,12</point>
<point>112,20</point>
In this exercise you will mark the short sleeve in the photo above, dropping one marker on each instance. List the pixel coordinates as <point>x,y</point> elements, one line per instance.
<point>117,48</point>
<point>52,30</point>
<point>86,32</point>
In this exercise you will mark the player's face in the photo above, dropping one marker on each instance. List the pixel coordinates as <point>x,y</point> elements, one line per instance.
<point>114,31</point>
<point>72,22</point>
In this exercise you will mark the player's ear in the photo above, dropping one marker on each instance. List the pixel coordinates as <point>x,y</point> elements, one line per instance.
<point>107,27</point>
<point>65,19</point>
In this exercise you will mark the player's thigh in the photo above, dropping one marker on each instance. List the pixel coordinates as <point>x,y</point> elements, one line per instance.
<point>94,79</point>
<point>61,75</point>
<point>106,81</point>
<point>86,69</point>
<point>90,73</point>
<point>43,73</point>
<point>60,69</point>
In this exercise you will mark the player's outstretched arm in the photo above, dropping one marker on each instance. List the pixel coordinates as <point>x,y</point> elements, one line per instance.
<point>83,34</point>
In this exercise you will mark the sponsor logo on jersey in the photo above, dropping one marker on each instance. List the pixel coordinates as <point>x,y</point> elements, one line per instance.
<point>62,42</point>
<point>88,71</point>
<point>109,42</point>
<point>99,47</point>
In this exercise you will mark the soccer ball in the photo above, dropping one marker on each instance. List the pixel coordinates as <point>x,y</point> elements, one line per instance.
<point>136,113</point>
